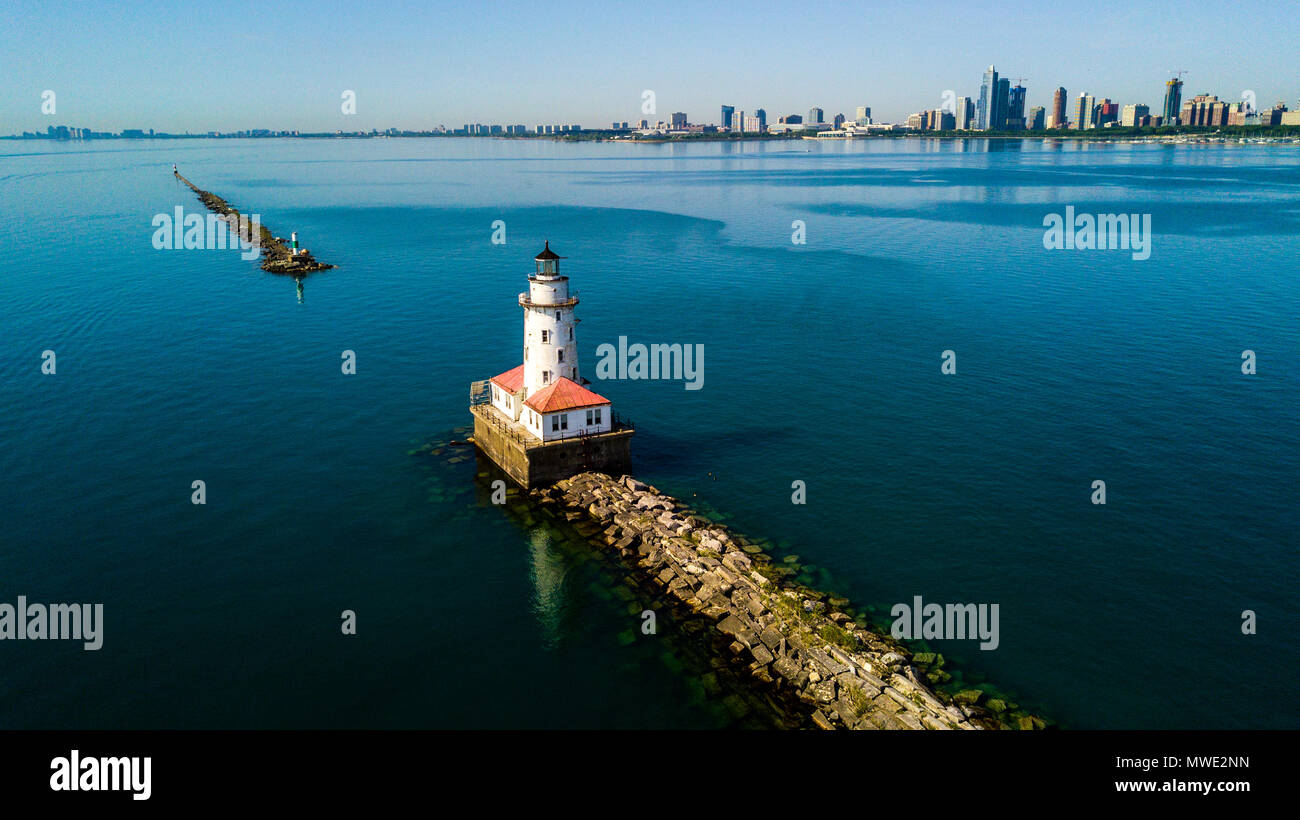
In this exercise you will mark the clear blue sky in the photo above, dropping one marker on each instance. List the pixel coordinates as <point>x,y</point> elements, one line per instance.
<point>230,65</point>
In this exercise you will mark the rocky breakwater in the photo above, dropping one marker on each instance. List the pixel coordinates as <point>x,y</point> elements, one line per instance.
<point>824,665</point>
<point>276,255</point>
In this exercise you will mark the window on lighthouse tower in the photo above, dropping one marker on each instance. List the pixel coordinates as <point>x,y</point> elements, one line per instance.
<point>546,336</point>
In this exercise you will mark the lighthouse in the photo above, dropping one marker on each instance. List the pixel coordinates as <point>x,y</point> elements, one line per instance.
<point>550,349</point>
<point>539,421</point>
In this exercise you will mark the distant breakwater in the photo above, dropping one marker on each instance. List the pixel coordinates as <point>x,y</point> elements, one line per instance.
<point>825,667</point>
<point>276,255</point>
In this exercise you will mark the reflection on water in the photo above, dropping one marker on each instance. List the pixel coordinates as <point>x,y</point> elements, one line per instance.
<point>548,571</point>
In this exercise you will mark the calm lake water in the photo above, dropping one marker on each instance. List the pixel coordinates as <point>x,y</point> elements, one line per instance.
<point>822,364</point>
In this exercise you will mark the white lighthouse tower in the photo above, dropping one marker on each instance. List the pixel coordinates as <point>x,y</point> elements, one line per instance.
<point>550,349</point>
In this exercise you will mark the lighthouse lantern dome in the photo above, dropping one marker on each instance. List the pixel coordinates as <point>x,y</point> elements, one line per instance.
<point>548,262</point>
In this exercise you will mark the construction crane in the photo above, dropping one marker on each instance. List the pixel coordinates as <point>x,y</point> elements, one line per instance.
<point>1178,75</point>
<point>1021,80</point>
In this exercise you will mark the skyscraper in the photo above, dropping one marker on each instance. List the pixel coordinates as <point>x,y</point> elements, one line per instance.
<point>761,115</point>
<point>1000,103</point>
<point>988,92</point>
<point>964,116</point>
<point>1079,106</point>
<point>1036,118</point>
<point>1107,114</point>
<point>1057,118</point>
<point>816,115</point>
<point>1203,109</point>
<point>1173,101</point>
<point>1089,111</point>
<point>1131,115</point>
<point>728,114</point>
<point>1016,108</point>
<point>864,115</point>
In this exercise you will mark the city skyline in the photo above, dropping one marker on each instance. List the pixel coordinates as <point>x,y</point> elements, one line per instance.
<point>429,71</point>
<point>1000,107</point>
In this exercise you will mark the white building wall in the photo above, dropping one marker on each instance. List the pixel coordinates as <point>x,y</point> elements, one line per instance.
<point>532,420</point>
<point>509,405</point>
<point>577,423</point>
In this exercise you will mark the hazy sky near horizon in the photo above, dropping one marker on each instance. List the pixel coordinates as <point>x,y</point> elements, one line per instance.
<point>232,65</point>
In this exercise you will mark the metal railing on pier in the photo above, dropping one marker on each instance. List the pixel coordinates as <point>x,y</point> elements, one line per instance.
<point>480,392</point>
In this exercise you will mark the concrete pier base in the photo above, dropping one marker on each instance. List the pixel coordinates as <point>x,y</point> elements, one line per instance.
<point>532,463</point>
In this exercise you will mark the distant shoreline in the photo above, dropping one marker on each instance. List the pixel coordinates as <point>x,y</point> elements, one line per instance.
<point>1256,134</point>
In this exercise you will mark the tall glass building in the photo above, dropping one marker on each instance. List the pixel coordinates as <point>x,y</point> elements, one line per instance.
<point>1173,101</point>
<point>988,92</point>
<point>998,116</point>
<point>1016,107</point>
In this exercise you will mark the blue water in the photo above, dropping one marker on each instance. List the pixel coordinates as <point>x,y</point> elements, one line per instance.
<point>822,364</point>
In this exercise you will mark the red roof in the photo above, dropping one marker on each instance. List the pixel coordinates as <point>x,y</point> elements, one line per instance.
<point>564,394</point>
<point>511,380</point>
